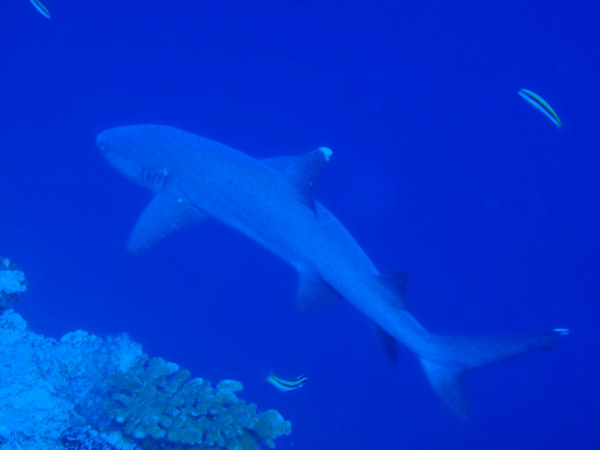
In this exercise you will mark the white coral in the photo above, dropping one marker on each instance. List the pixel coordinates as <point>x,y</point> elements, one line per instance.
<point>12,282</point>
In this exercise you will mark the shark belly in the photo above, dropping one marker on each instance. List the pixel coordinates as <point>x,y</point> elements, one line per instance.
<point>313,241</point>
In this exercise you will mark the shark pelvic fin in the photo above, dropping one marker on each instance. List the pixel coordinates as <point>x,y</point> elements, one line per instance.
<point>388,343</point>
<point>302,172</point>
<point>314,292</point>
<point>165,213</point>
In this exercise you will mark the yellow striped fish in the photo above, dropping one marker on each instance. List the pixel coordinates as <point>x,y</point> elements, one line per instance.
<point>286,385</point>
<point>41,8</point>
<point>541,104</point>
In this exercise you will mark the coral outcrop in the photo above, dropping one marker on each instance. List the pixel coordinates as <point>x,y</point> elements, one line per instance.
<point>12,284</point>
<point>44,382</point>
<point>86,392</point>
<point>157,404</point>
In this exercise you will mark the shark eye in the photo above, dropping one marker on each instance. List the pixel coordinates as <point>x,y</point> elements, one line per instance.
<point>100,144</point>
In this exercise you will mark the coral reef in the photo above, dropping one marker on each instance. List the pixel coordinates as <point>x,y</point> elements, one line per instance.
<point>12,284</point>
<point>84,392</point>
<point>43,381</point>
<point>158,405</point>
<point>83,439</point>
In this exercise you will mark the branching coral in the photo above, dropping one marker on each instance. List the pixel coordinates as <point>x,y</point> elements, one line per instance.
<point>158,404</point>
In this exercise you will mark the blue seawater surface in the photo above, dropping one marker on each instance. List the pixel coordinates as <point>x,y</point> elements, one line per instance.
<point>439,169</point>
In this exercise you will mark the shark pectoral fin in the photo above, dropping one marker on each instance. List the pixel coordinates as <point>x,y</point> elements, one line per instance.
<point>165,213</point>
<point>314,292</point>
<point>396,282</point>
<point>388,343</point>
<point>302,172</point>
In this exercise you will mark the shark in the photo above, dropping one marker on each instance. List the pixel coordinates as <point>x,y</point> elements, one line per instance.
<point>272,201</point>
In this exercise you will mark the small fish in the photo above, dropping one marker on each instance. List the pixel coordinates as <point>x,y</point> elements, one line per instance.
<point>41,8</point>
<point>285,385</point>
<point>541,104</point>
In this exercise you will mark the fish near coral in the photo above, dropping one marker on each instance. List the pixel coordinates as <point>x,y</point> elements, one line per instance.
<point>286,385</point>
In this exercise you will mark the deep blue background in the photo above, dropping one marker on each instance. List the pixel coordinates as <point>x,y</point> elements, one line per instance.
<point>439,169</point>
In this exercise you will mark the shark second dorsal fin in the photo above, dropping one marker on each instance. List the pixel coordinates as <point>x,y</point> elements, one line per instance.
<point>396,282</point>
<point>165,213</point>
<point>314,292</point>
<point>302,172</point>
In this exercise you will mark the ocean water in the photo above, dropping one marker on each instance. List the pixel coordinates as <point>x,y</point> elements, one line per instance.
<point>439,169</point>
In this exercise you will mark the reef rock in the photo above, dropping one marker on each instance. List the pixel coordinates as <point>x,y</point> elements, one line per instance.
<point>84,392</point>
<point>12,284</point>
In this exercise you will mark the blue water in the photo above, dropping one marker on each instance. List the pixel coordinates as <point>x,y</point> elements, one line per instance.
<point>439,169</point>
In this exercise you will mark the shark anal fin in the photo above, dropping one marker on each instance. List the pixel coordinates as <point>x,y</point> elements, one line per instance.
<point>396,282</point>
<point>165,213</point>
<point>302,172</point>
<point>314,292</point>
<point>388,343</point>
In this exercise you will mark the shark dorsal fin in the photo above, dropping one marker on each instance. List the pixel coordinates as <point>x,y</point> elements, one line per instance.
<point>165,213</point>
<point>302,172</point>
<point>314,292</point>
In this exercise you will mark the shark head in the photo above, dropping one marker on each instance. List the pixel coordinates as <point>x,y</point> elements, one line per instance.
<point>140,152</point>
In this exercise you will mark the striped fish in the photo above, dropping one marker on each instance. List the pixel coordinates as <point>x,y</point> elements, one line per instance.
<point>41,8</point>
<point>541,104</point>
<point>285,385</point>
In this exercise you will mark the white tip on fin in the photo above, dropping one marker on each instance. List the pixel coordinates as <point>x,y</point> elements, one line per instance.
<point>562,331</point>
<point>327,152</point>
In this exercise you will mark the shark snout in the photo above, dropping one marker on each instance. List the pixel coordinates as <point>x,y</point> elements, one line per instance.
<point>120,152</point>
<point>108,149</point>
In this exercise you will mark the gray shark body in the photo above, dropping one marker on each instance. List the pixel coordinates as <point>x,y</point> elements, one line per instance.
<point>271,201</point>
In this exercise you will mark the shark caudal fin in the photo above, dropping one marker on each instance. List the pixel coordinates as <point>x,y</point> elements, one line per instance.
<point>457,355</point>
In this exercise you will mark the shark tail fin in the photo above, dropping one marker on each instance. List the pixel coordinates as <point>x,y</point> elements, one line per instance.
<point>457,355</point>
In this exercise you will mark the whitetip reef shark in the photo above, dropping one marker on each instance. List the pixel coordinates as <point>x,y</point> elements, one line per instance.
<point>272,201</point>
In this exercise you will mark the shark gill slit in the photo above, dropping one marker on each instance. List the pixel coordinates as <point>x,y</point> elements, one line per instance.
<point>153,179</point>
